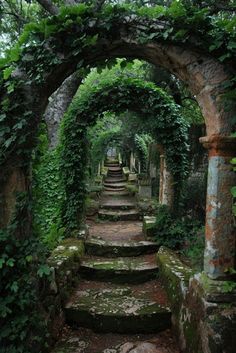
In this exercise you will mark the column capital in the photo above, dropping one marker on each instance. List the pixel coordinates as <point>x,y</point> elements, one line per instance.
<point>219,145</point>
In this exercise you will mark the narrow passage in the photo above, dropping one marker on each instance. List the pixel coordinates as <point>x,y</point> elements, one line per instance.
<point>119,305</point>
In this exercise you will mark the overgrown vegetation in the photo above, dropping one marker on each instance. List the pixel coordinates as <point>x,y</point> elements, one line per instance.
<point>180,233</point>
<point>148,102</point>
<point>48,192</point>
<point>22,265</point>
<point>59,45</point>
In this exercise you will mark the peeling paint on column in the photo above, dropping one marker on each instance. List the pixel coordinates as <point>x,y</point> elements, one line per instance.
<point>220,231</point>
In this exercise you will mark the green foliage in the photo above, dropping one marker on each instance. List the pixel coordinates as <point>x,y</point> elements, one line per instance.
<point>73,168</point>
<point>132,189</point>
<point>117,95</point>
<point>176,233</point>
<point>228,286</point>
<point>194,246</point>
<point>106,130</point>
<point>48,193</point>
<point>142,142</point>
<point>22,262</point>
<point>41,44</point>
<point>193,197</point>
<point>71,41</point>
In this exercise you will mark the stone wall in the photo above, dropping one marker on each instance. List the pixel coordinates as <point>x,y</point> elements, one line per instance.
<point>64,262</point>
<point>203,310</point>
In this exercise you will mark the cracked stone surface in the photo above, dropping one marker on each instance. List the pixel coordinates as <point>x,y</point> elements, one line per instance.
<point>140,263</point>
<point>87,341</point>
<point>111,316</point>
<point>119,231</point>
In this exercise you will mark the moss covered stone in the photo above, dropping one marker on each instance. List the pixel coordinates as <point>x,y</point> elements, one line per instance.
<point>121,269</point>
<point>204,314</point>
<point>65,261</point>
<point>101,247</point>
<point>69,251</point>
<point>149,226</point>
<point>117,310</point>
<point>174,274</point>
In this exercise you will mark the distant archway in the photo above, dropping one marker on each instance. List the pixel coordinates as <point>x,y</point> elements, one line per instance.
<point>158,114</point>
<point>81,37</point>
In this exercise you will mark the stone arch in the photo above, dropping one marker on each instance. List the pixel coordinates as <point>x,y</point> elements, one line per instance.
<point>157,112</point>
<point>82,37</point>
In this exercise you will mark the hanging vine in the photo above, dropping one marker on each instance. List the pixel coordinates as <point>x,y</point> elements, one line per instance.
<point>159,116</point>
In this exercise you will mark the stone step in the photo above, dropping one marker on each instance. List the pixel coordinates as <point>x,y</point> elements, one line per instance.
<point>118,176</point>
<point>118,203</point>
<point>119,215</point>
<point>107,188</point>
<point>115,193</point>
<point>118,310</point>
<point>114,180</point>
<point>85,340</point>
<point>120,269</point>
<point>101,247</point>
<point>115,168</point>
<point>116,185</point>
<point>112,165</point>
<point>115,175</point>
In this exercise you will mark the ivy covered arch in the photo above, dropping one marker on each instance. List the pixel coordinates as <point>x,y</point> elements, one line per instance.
<point>159,116</point>
<point>189,43</point>
<point>81,37</point>
<point>101,144</point>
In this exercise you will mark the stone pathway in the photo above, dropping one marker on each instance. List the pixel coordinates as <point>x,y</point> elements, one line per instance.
<point>116,203</point>
<point>119,305</point>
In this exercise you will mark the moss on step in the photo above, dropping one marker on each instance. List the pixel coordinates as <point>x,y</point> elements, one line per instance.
<point>100,247</point>
<point>149,226</point>
<point>174,274</point>
<point>120,270</point>
<point>69,251</point>
<point>117,310</point>
<point>65,261</point>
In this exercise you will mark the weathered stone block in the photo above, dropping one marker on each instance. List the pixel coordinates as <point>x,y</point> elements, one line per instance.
<point>133,177</point>
<point>126,171</point>
<point>65,262</point>
<point>204,321</point>
<point>174,274</point>
<point>149,226</point>
<point>66,255</point>
<point>145,191</point>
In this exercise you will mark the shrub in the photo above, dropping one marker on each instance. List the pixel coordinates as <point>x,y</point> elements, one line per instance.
<point>175,233</point>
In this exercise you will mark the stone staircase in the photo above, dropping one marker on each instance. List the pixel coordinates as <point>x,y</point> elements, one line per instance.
<point>117,291</point>
<point>121,206</point>
<point>119,298</point>
<point>112,269</point>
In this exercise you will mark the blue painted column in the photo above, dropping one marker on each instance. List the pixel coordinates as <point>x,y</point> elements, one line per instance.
<point>220,233</point>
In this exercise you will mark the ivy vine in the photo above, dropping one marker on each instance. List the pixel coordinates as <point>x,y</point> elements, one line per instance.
<point>49,51</point>
<point>159,115</point>
<point>72,40</point>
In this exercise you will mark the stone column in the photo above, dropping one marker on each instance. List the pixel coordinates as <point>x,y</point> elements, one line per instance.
<point>99,169</point>
<point>131,167</point>
<point>166,188</point>
<point>220,233</point>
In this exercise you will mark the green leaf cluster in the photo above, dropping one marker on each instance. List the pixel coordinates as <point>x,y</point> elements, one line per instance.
<point>22,264</point>
<point>157,112</point>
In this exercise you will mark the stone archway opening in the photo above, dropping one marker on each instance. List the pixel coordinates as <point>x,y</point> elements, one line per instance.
<point>156,111</point>
<point>38,70</point>
<point>201,71</point>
